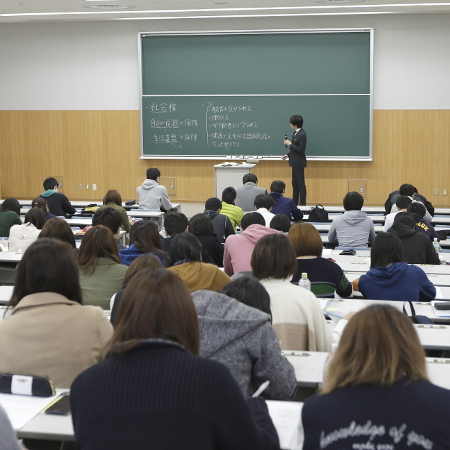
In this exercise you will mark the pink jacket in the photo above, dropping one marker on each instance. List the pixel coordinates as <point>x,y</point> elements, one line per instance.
<point>239,248</point>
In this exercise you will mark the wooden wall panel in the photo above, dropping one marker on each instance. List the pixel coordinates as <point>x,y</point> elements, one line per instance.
<point>102,147</point>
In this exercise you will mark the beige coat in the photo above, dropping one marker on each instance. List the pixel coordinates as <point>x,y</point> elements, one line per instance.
<point>49,335</point>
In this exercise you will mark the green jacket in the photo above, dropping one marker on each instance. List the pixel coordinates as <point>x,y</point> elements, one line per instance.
<point>123,215</point>
<point>234,213</point>
<point>7,220</point>
<point>99,286</point>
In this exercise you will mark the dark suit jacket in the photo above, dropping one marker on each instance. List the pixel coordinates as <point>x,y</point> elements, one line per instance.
<point>297,156</point>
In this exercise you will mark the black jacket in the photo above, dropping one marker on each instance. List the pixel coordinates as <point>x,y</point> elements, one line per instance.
<point>297,155</point>
<point>59,205</point>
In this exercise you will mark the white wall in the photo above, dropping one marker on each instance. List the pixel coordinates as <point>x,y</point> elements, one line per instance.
<point>94,65</point>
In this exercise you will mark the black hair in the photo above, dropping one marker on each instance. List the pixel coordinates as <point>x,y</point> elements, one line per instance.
<point>184,246</point>
<point>251,292</point>
<point>213,204</point>
<point>386,250</point>
<point>296,120</point>
<point>407,189</point>
<point>250,177</point>
<point>50,183</point>
<point>353,201</point>
<point>153,173</point>
<point>201,224</point>
<point>278,186</point>
<point>417,208</point>
<point>263,201</point>
<point>229,195</point>
<point>108,217</point>
<point>280,222</point>
<point>11,204</point>
<point>35,216</point>
<point>403,201</point>
<point>253,218</point>
<point>175,223</point>
<point>406,219</point>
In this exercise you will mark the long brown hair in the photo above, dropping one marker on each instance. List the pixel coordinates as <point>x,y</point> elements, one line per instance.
<point>306,239</point>
<point>378,346</point>
<point>57,228</point>
<point>156,304</point>
<point>113,196</point>
<point>145,261</point>
<point>145,236</point>
<point>98,242</point>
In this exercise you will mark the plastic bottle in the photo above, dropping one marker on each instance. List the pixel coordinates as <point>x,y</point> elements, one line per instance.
<point>436,246</point>
<point>304,282</point>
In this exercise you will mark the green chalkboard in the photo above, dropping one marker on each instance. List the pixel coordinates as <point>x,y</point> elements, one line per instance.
<point>220,95</point>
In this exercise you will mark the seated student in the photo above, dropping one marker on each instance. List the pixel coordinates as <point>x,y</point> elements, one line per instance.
<point>296,315</point>
<point>175,400</point>
<point>222,224</point>
<point>57,228</point>
<point>144,238</point>
<point>239,248</point>
<point>174,223</point>
<point>9,439</point>
<point>229,209</point>
<point>49,332</point>
<point>378,394</point>
<point>281,223</point>
<point>390,277</point>
<point>326,276</point>
<point>101,274</point>
<point>58,204</point>
<point>109,218</point>
<point>22,236</point>
<point>402,203</point>
<point>40,202</point>
<point>410,191</point>
<point>241,338</point>
<point>151,195</point>
<point>185,260</point>
<point>417,247</point>
<point>353,228</point>
<point>246,194</point>
<point>263,206</point>
<point>113,199</point>
<point>418,211</point>
<point>9,216</point>
<point>202,228</point>
<point>283,205</point>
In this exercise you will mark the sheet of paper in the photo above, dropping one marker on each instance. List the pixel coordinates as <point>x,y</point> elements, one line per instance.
<point>287,418</point>
<point>327,251</point>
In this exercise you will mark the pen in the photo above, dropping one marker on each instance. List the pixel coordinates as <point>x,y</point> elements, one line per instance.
<point>261,389</point>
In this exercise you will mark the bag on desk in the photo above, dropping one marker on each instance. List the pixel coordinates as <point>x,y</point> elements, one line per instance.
<point>26,384</point>
<point>424,320</point>
<point>318,214</point>
<point>89,210</point>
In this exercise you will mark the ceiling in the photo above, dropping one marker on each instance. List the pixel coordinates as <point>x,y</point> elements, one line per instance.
<point>71,10</point>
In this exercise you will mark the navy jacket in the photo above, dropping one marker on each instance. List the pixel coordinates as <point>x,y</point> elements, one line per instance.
<point>286,206</point>
<point>297,156</point>
<point>128,255</point>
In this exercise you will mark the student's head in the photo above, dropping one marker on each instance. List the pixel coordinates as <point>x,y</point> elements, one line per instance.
<point>175,223</point>
<point>251,292</point>
<point>145,261</point>
<point>417,208</point>
<point>48,265</point>
<point>40,202</point>
<point>253,218</point>
<point>201,224</point>
<point>98,242</point>
<point>57,228</point>
<point>35,216</point>
<point>156,304</point>
<point>11,204</point>
<point>386,250</point>
<point>153,173</point>
<point>296,121</point>
<point>50,183</point>
<point>250,177</point>
<point>281,223</point>
<point>113,196</point>
<point>379,346</point>
<point>109,218</point>
<point>353,201</point>
<point>306,240</point>
<point>403,201</point>
<point>229,195</point>
<point>184,247</point>
<point>278,186</point>
<point>213,204</point>
<point>264,201</point>
<point>273,257</point>
<point>145,236</point>
<point>407,189</point>
<point>406,219</point>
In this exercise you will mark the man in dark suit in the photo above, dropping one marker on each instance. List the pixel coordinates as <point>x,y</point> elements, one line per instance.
<point>297,159</point>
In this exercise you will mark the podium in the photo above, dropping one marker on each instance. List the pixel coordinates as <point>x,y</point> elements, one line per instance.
<point>229,175</point>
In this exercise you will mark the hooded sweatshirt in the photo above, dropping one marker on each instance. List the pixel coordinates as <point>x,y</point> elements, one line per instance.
<point>58,204</point>
<point>424,225</point>
<point>128,255</point>
<point>222,225</point>
<point>153,196</point>
<point>416,245</point>
<point>352,229</point>
<point>239,248</point>
<point>399,281</point>
<point>241,338</point>
<point>286,206</point>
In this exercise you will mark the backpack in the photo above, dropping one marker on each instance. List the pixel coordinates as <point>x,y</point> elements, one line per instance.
<point>318,214</point>
<point>89,210</point>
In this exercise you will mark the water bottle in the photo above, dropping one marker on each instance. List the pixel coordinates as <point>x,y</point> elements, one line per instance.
<point>436,246</point>
<point>304,282</point>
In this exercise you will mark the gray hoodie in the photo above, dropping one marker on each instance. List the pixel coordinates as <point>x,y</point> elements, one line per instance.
<point>352,229</point>
<point>152,196</point>
<point>241,338</point>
